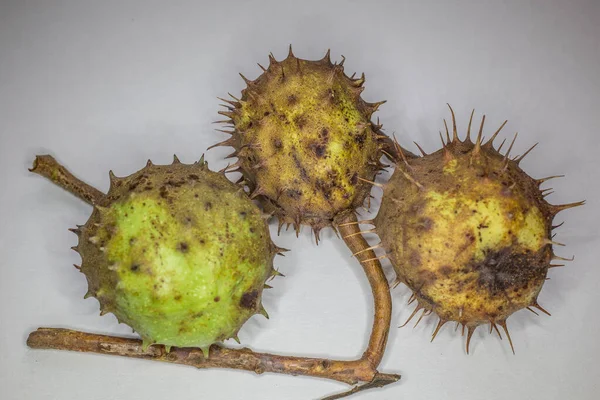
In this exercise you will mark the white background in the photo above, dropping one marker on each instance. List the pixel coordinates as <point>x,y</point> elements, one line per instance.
<point>108,84</point>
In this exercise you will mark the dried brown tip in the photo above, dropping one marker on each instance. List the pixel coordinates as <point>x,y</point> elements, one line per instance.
<point>468,138</point>
<point>437,328</point>
<point>470,331</point>
<point>454,131</point>
<point>415,311</point>
<point>505,328</point>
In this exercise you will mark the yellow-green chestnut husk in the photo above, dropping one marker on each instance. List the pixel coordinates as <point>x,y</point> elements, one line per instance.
<point>179,253</point>
<point>305,140</point>
<point>469,232</point>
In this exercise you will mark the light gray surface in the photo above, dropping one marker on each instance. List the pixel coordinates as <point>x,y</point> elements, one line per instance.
<point>106,85</point>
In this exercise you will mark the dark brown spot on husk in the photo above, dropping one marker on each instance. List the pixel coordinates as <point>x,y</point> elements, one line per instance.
<point>360,139</point>
<point>183,247</point>
<point>318,149</point>
<point>300,121</point>
<point>445,270</point>
<point>176,184</point>
<point>249,299</point>
<point>163,192</point>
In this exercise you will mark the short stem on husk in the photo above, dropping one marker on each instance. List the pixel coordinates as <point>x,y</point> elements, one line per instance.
<point>48,167</point>
<point>350,372</point>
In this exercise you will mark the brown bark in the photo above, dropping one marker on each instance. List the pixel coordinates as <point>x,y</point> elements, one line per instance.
<point>351,372</point>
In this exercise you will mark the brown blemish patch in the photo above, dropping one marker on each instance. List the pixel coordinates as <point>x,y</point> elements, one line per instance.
<point>249,299</point>
<point>415,259</point>
<point>176,184</point>
<point>136,182</point>
<point>505,270</point>
<point>445,270</point>
<point>427,277</point>
<point>217,299</point>
<point>163,192</point>
<point>318,149</point>
<point>360,139</point>
<point>300,121</point>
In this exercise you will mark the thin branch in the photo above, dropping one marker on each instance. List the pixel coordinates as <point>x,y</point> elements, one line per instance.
<point>350,372</point>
